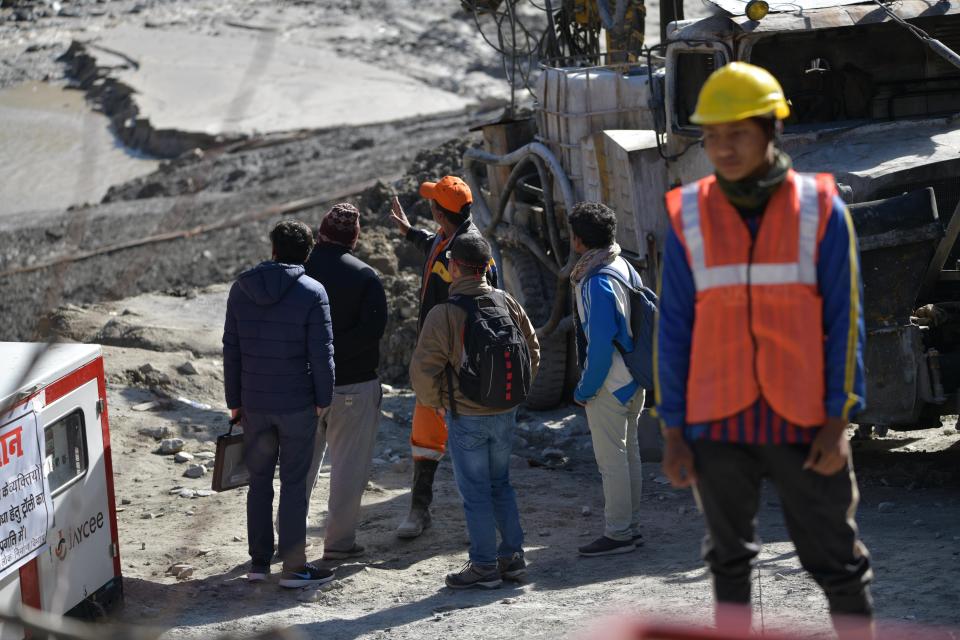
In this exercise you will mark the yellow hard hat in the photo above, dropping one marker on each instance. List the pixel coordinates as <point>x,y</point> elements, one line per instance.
<point>739,91</point>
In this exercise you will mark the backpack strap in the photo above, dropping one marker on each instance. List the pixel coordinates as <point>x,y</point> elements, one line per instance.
<point>608,270</point>
<point>469,305</point>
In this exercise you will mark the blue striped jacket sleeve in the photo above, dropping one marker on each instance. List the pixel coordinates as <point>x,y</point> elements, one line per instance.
<point>601,327</point>
<point>841,288</point>
<point>674,334</point>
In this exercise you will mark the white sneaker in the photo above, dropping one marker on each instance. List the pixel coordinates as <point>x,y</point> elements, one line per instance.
<point>257,575</point>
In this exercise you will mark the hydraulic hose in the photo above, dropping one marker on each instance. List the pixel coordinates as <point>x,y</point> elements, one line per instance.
<point>472,159</point>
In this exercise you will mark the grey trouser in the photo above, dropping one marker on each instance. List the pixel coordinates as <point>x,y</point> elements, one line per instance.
<point>613,428</point>
<point>267,440</point>
<point>819,512</point>
<point>348,431</point>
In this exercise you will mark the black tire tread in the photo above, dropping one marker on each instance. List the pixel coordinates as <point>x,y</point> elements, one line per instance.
<point>534,287</point>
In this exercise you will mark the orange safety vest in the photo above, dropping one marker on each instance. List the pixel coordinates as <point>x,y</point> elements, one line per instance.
<point>758,325</point>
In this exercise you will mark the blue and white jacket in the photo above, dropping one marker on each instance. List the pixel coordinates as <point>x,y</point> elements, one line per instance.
<point>603,307</point>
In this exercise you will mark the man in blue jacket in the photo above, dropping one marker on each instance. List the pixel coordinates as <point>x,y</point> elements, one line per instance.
<point>278,375</point>
<point>612,398</point>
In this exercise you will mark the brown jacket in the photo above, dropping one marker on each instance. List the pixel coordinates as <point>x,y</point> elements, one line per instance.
<point>440,344</point>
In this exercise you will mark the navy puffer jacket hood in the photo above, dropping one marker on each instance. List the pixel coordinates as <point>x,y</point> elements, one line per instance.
<point>277,341</point>
<point>268,282</point>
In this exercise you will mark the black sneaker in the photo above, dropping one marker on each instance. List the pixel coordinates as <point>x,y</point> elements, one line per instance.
<point>512,568</point>
<point>306,576</point>
<point>604,546</point>
<point>475,575</point>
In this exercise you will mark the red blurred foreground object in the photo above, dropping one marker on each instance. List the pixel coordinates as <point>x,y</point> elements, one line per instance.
<point>658,631</point>
<point>634,629</point>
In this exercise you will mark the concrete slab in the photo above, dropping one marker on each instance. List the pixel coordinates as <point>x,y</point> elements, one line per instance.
<point>247,81</point>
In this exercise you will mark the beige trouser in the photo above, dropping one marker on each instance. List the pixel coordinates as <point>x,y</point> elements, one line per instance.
<point>613,427</point>
<point>348,432</point>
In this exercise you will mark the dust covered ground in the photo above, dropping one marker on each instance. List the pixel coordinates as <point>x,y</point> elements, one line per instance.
<point>908,516</point>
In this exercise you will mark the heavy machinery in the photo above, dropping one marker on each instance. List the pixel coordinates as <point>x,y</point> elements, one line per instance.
<point>875,95</point>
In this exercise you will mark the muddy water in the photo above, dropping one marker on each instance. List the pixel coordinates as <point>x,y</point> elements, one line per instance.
<point>55,151</point>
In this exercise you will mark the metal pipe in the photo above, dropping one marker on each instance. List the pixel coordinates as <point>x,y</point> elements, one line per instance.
<point>474,156</point>
<point>548,209</point>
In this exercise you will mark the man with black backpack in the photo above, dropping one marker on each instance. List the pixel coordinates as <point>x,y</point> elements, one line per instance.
<point>475,358</point>
<point>614,343</point>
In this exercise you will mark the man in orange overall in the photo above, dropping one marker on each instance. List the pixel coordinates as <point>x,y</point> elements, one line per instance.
<point>758,359</point>
<point>450,200</point>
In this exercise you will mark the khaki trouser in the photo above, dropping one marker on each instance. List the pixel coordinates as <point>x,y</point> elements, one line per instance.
<point>613,428</point>
<point>348,432</point>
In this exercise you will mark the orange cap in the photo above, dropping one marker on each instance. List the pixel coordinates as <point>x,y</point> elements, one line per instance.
<point>450,192</point>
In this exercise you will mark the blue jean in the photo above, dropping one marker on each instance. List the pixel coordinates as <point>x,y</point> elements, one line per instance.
<point>480,449</point>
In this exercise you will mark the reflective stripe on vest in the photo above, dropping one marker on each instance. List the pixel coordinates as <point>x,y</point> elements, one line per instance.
<point>803,271</point>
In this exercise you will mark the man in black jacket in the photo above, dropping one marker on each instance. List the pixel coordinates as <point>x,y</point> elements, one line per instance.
<point>278,377</point>
<point>349,427</point>
<point>450,201</point>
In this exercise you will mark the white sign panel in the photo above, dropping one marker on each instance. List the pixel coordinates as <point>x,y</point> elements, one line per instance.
<point>25,507</point>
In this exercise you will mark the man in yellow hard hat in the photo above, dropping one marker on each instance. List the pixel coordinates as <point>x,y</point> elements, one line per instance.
<point>758,361</point>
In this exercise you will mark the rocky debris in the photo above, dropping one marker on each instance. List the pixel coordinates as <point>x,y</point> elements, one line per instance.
<point>184,492</point>
<point>585,511</point>
<point>552,453</point>
<point>183,456</point>
<point>205,455</point>
<point>180,571</point>
<point>157,433</point>
<point>171,446</point>
<point>188,369</point>
<point>147,376</point>
<point>144,321</point>
<point>886,507</point>
<point>195,471</point>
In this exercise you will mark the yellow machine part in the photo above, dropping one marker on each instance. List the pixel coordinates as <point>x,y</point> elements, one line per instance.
<point>623,44</point>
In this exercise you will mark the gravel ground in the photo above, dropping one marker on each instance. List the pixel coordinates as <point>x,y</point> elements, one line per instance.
<point>908,518</point>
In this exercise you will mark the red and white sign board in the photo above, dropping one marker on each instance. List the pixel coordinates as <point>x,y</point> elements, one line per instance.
<point>59,544</point>
<point>25,513</point>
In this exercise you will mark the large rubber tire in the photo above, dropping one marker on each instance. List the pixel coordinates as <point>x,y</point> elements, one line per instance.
<point>534,287</point>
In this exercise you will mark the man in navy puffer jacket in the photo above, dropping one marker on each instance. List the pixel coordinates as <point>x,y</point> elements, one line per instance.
<point>278,374</point>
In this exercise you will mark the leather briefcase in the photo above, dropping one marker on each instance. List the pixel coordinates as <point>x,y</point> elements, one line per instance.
<point>229,470</point>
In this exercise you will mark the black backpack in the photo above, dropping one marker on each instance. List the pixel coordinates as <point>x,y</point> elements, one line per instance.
<point>495,368</point>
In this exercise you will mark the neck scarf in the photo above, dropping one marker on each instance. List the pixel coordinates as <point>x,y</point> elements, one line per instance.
<point>750,195</point>
<point>594,259</point>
